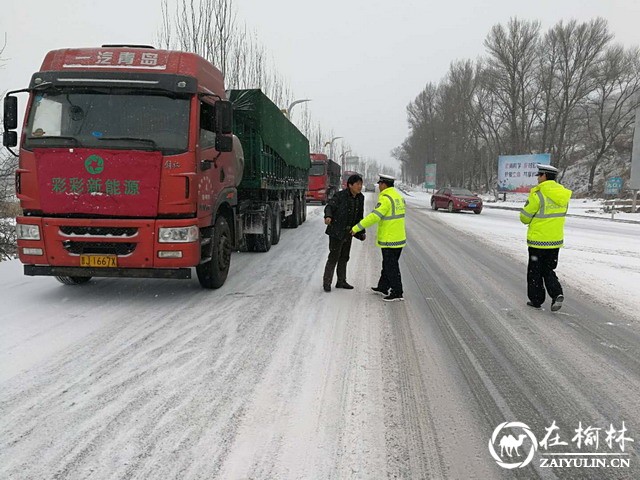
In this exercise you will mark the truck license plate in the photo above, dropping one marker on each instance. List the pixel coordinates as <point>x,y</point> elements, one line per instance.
<point>98,261</point>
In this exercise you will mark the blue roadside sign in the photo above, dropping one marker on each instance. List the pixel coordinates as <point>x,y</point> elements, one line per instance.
<point>613,186</point>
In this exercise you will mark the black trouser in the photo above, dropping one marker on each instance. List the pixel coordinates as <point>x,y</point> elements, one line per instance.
<point>540,274</point>
<point>338,253</point>
<point>390,276</point>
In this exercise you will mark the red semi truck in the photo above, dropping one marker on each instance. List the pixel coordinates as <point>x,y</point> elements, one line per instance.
<point>324,178</point>
<point>133,163</point>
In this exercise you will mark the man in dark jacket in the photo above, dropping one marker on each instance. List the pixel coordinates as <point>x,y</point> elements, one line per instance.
<point>344,210</point>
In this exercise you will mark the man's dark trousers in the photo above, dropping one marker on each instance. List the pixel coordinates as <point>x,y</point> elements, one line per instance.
<point>540,274</point>
<point>338,254</point>
<point>390,276</point>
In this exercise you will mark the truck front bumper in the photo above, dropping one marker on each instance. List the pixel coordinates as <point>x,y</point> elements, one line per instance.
<point>134,242</point>
<point>316,196</point>
<point>179,273</point>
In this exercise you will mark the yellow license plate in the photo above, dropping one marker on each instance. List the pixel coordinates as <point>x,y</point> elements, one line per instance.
<point>98,261</point>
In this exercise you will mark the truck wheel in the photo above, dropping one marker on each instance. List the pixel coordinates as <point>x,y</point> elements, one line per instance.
<point>263,240</point>
<point>276,228</point>
<point>304,209</point>
<point>212,274</point>
<point>250,243</point>
<point>73,280</point>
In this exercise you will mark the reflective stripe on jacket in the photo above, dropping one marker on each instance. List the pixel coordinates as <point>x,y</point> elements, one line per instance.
<point>545,213</point>
<point>390,212</point>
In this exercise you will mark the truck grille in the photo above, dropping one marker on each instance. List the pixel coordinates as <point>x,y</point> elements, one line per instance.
<point>106,248</point>
<point>72,230</point>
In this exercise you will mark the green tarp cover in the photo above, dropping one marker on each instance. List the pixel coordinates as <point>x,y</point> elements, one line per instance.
<point>252,107</point>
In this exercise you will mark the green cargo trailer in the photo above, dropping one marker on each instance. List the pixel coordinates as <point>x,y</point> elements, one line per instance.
<point>271,194</point>
<point>276,153</point>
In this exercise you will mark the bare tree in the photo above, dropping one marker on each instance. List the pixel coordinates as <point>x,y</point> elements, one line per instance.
<point>610,108</point>
<point>8,205</point>
<point>210,29</point>
<point>579,49</point>
<point>489,125</point>
<point>511,65</point>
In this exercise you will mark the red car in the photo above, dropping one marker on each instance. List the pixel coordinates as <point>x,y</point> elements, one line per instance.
<point>456,199</point>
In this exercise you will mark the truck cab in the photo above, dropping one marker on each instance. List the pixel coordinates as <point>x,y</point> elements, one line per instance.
<point>324,178</point>
<point>126,159</point>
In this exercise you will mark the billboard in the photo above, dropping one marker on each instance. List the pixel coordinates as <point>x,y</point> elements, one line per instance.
<point>430,175</point>
<point>517,173</point>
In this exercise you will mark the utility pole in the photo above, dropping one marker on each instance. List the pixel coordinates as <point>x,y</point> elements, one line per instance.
<point>287,112</point>
<point>330,143</point>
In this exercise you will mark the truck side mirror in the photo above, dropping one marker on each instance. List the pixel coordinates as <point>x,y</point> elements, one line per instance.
<point>223,115</point>
<point>224,143</point>
<point>10,112</point>
<point>10,138</point>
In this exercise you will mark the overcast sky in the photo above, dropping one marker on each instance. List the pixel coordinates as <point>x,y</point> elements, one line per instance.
<point>361,61</point>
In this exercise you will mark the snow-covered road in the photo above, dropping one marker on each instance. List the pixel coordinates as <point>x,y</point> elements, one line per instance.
<point>270,377</point>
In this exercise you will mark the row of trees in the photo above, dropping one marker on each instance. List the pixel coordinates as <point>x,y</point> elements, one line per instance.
<point>569,92</point>
<point>211,29</point>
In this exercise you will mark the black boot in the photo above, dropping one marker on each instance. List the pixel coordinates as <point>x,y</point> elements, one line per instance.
<point>344,285</point>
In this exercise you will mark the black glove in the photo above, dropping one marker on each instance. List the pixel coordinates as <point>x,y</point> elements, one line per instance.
<point>360,235</point>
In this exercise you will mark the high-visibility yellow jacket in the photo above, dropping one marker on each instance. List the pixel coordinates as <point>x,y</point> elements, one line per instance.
<point>545,212</point>
<point>390,212</point>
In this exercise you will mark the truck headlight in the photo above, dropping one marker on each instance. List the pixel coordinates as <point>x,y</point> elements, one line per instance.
<point>178,234</point>
<point>28,232</point>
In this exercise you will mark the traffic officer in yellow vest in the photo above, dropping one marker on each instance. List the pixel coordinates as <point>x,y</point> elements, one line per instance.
<point>391,239</point>
<point>544,213</point>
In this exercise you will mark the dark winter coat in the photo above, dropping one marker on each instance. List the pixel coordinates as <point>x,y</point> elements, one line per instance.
<point>345,211</point>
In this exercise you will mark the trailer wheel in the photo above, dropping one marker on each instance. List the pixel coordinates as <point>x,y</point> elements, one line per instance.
<point>212,274</point>
<point>276,228</point>
<point>293,220</point>
<point>73,280</point>
<point>263,240</point>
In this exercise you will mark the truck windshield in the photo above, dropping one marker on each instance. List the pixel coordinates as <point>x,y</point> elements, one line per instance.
<point>109,118</point>
<point>317,169</point>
